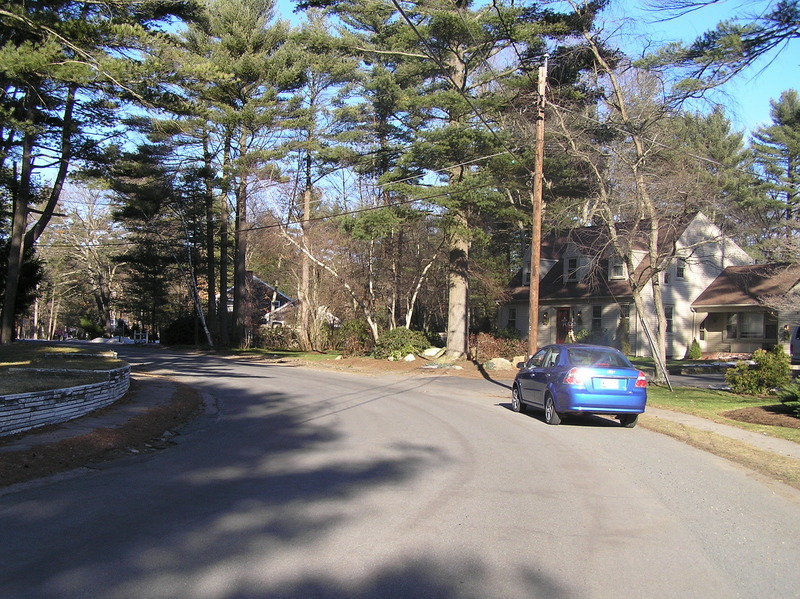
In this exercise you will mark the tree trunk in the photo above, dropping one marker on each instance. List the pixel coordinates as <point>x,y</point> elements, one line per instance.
<point>211,317</point>
<point>458,298</point>
<point>21,197</point>
<point>222,309</point>
<point>239,267</point>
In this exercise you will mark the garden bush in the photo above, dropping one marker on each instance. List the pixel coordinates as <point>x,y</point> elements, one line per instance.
<point>180,331</point>
<point>92,329</point>
<point>790,395</point>
<point>770,370</point>
<point>485,346</point>
<point>276,337</point>
<point>693,352</point>
<point>398,343</point>
<point>353,338</point>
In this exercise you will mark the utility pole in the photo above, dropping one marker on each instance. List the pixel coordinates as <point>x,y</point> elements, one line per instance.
<point>536,216</point>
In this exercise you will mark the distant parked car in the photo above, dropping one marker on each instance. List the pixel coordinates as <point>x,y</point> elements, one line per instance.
<point>794,346</point>
<point>580,379</point>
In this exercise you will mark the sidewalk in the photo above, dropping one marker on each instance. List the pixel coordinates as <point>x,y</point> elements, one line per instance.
<point>757,440</point>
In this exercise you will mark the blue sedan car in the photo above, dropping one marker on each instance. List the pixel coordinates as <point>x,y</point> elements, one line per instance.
<point>580,379</point>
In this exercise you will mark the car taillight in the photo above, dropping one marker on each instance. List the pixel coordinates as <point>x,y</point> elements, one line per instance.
<point>641,380</point>
<point>576,376</point>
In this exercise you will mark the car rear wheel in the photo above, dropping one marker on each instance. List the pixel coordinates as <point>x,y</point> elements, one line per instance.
<point>516,401</point>
<point>550,414</point>
<point>628,420</point>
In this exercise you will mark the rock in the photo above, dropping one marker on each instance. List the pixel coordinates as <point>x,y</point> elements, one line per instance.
<point>498,364</point>
<point>409,358</point>
<point>434,352</point>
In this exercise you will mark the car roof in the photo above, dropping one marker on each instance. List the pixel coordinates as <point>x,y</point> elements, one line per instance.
<point>581,346</point>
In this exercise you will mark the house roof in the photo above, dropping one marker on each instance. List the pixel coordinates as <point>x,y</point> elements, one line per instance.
<point>748,285</point>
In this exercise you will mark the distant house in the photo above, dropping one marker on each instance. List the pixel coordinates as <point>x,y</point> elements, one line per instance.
<point>584,288</point>
<point>748,307</point>
<point>265,302</point>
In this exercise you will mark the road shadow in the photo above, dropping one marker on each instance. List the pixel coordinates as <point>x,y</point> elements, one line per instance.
<point>488,377</point>
<point>588,420</point>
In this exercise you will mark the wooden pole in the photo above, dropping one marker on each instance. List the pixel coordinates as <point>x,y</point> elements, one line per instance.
<point>536,216</point>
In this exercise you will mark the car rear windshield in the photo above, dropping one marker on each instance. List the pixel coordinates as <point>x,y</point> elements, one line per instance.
<point>597,357</point>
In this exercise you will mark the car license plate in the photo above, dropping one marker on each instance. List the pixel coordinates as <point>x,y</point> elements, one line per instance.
<point>610,384</point>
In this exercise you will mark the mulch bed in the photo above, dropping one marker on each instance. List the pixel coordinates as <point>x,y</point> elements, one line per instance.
<point>777,415</point>
<point>142,433</point>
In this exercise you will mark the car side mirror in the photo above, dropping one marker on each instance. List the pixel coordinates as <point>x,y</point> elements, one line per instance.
<point>520,365</point>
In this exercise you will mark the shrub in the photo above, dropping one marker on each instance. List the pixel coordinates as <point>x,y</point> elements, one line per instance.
<point>693,352</point>
<point>92,329</point>
<point>353,338</point>
<point>770,370</point>
<point>790,395</point>
<point>276,337</point>
<point>485,346</point>
<point>180,331</point>
<point>398,343</point>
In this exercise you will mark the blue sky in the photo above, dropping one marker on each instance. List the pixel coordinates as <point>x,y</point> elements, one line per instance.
<point>747,98</point>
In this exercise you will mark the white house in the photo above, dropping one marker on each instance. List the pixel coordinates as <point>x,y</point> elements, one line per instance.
<point>584,289</point>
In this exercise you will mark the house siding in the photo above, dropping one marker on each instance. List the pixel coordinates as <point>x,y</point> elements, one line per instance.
<point>704,254</point>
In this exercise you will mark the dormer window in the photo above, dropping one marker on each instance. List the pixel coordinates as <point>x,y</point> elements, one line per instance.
<point>616,268</point>
<point>680,268</point>
<point>572,270</point>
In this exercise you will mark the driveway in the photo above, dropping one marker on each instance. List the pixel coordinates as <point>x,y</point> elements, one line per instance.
<point>316,484</point>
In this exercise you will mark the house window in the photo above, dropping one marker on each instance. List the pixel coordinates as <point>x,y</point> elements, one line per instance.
<point>572,269</point>
<point>752,325</point>
<point>616,268</point>
<point>526,274</point>
<point>668,310</point>
<point>732,326</point>
<point>597,318</point>
<point>666,276</point>
<point>770,327</point>
<point>680,268</point>
<point>512,319</point>
<point>624,310</point>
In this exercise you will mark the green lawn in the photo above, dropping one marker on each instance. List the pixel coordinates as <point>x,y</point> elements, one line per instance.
<point>713,404</point>
<point>311,356</point>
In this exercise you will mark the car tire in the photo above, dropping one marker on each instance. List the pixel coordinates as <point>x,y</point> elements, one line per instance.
<point>516,401</point>
<point>550,414</point>
<point>628,420</point>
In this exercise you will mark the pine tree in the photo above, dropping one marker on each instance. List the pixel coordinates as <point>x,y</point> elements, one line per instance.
<point>64,66</point>
<point>777,149</point>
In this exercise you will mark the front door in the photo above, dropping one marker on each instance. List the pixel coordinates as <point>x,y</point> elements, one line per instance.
<point>563,324</point>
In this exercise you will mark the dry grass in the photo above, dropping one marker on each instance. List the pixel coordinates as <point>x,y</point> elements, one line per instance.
<point>54,357</point>
<point>781,468</point>
<point>139,434</point>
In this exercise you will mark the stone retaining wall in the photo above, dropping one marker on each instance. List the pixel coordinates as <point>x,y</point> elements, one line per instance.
<point>24,411</point>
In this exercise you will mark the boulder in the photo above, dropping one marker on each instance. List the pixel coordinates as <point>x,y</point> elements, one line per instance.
<point>499,364</point>
<point>434,352</point>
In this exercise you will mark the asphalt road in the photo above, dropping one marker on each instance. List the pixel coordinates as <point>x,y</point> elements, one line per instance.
<point>313,484</point>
